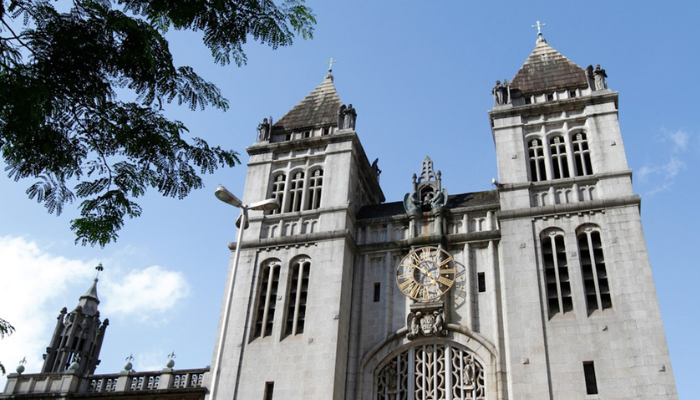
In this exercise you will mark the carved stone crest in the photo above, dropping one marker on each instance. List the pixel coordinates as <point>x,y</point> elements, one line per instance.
<point>426,324</point>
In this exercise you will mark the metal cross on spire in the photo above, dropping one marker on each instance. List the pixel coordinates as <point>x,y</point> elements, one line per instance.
<point>330,64</point>
<point>99,269</point>
<point>539,28</point>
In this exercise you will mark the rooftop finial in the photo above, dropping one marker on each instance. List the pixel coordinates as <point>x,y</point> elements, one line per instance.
<point>330,64</point>
<point>539,26</point>
<point>99,269</point>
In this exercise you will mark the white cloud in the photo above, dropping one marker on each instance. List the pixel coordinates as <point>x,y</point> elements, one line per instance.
<point>32,290</point>
<point>145,294</point>
<point>678,138</point>
<point>661,176</point>
<point>35,285</point>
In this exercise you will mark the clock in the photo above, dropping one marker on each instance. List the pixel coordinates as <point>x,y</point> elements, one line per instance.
<point>426,274</point>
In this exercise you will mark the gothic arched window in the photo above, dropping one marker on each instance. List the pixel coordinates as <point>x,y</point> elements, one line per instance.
<point>557,153</point>
<point>278,184</point>
<point>582,155</point>
<point>296,191</point>
<point>556,273</point>
<point>297,293</point>
<point>538,171</point>
<point>267,298</point>
<point>431,371</point>
<point>314,192</point>
<point>595,277</point>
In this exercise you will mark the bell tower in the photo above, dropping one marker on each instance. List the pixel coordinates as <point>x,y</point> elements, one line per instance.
<point>288,330</point>
<point>78,337</point>
<point>576,268</point>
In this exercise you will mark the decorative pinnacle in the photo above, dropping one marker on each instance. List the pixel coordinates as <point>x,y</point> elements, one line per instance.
<point>539,28</point>
<point>330,64</point>
<point>99,269</point>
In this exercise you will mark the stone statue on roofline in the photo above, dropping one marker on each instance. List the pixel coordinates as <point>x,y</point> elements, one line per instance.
<point>501,93</point>
<point>350,116</point>
<point>599,77</point>
<point>341,116</point>
<point>264,130</point>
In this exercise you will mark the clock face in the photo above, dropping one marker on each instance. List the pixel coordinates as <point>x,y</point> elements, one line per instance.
<point>426,274</point>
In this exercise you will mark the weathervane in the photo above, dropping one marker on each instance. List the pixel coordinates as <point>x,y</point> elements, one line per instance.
<point>99,269</point>
<point>539,28</point>
<point>330,64</point>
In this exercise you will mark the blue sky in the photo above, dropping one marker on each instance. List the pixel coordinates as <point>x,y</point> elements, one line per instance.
<point>420,78</point>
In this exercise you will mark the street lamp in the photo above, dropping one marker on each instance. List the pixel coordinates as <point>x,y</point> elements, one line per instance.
<point>227,197</point>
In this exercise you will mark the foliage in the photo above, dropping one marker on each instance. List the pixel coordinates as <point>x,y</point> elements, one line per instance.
<point>63,125</point>
<point>5,329</point>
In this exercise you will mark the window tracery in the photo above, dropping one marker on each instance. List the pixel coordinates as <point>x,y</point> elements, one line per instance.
<point>557,151</point>
<point>582,155</point>
<point>299,190</point>
<point>314,193</point>
<point>561,156</point>
<point>297,295</point>
<point>537,165</point>
<point>296,190</point>
<point>278,185</point>
<point>267,298</point>
<point>556,273</point>
<point>431,371</point>
<point>595,277</point>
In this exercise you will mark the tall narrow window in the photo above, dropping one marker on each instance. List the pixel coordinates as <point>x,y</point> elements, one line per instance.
<point>267,297</point>
<point>589,375</point>
<point>296,189</point>
<point>296,299</point>
<point>582,155</point>
<point>269,388</point>
<point>481,282</point>
<point>595,277</point>
<point>278,191</point>
<point>537,168</point>
<point>556,273</point>
<point>314,195</point>
<point>557,151</point>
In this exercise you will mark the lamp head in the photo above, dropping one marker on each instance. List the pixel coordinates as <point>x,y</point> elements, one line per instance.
<point>265,205</point>
<point>224,195</point>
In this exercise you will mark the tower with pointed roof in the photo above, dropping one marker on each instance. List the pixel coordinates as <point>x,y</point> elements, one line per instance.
<point>579,305</point>
<point>288,331</point>
<point>540,288</point>
<point>77,339</point>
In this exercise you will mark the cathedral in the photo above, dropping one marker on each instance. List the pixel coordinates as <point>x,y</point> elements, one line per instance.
<point>538,289</point>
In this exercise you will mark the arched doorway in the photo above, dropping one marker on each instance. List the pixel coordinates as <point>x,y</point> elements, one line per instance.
<point>430,371</point>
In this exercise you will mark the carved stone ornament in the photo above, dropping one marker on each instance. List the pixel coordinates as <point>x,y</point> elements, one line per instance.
<point>428,194</point>
<point>426,324</point>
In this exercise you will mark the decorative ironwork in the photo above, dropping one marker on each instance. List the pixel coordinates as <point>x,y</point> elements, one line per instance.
<point>431,372</point>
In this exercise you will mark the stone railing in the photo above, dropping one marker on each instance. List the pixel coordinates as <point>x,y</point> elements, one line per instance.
<point>122,382</point>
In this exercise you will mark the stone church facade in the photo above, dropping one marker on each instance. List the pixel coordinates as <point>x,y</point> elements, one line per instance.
<point>540,288</point>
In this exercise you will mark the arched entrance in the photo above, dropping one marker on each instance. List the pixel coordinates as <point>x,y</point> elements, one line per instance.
<point>430,371</point>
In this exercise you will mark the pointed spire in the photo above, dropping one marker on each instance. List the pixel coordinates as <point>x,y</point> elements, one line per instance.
<point>319,108</point>
<point>547,70</point>
<point>89,301</point>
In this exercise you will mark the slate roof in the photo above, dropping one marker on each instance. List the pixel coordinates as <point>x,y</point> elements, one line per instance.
<point>546,70</point>
<point>320,107</point>
<point>476,199</point>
